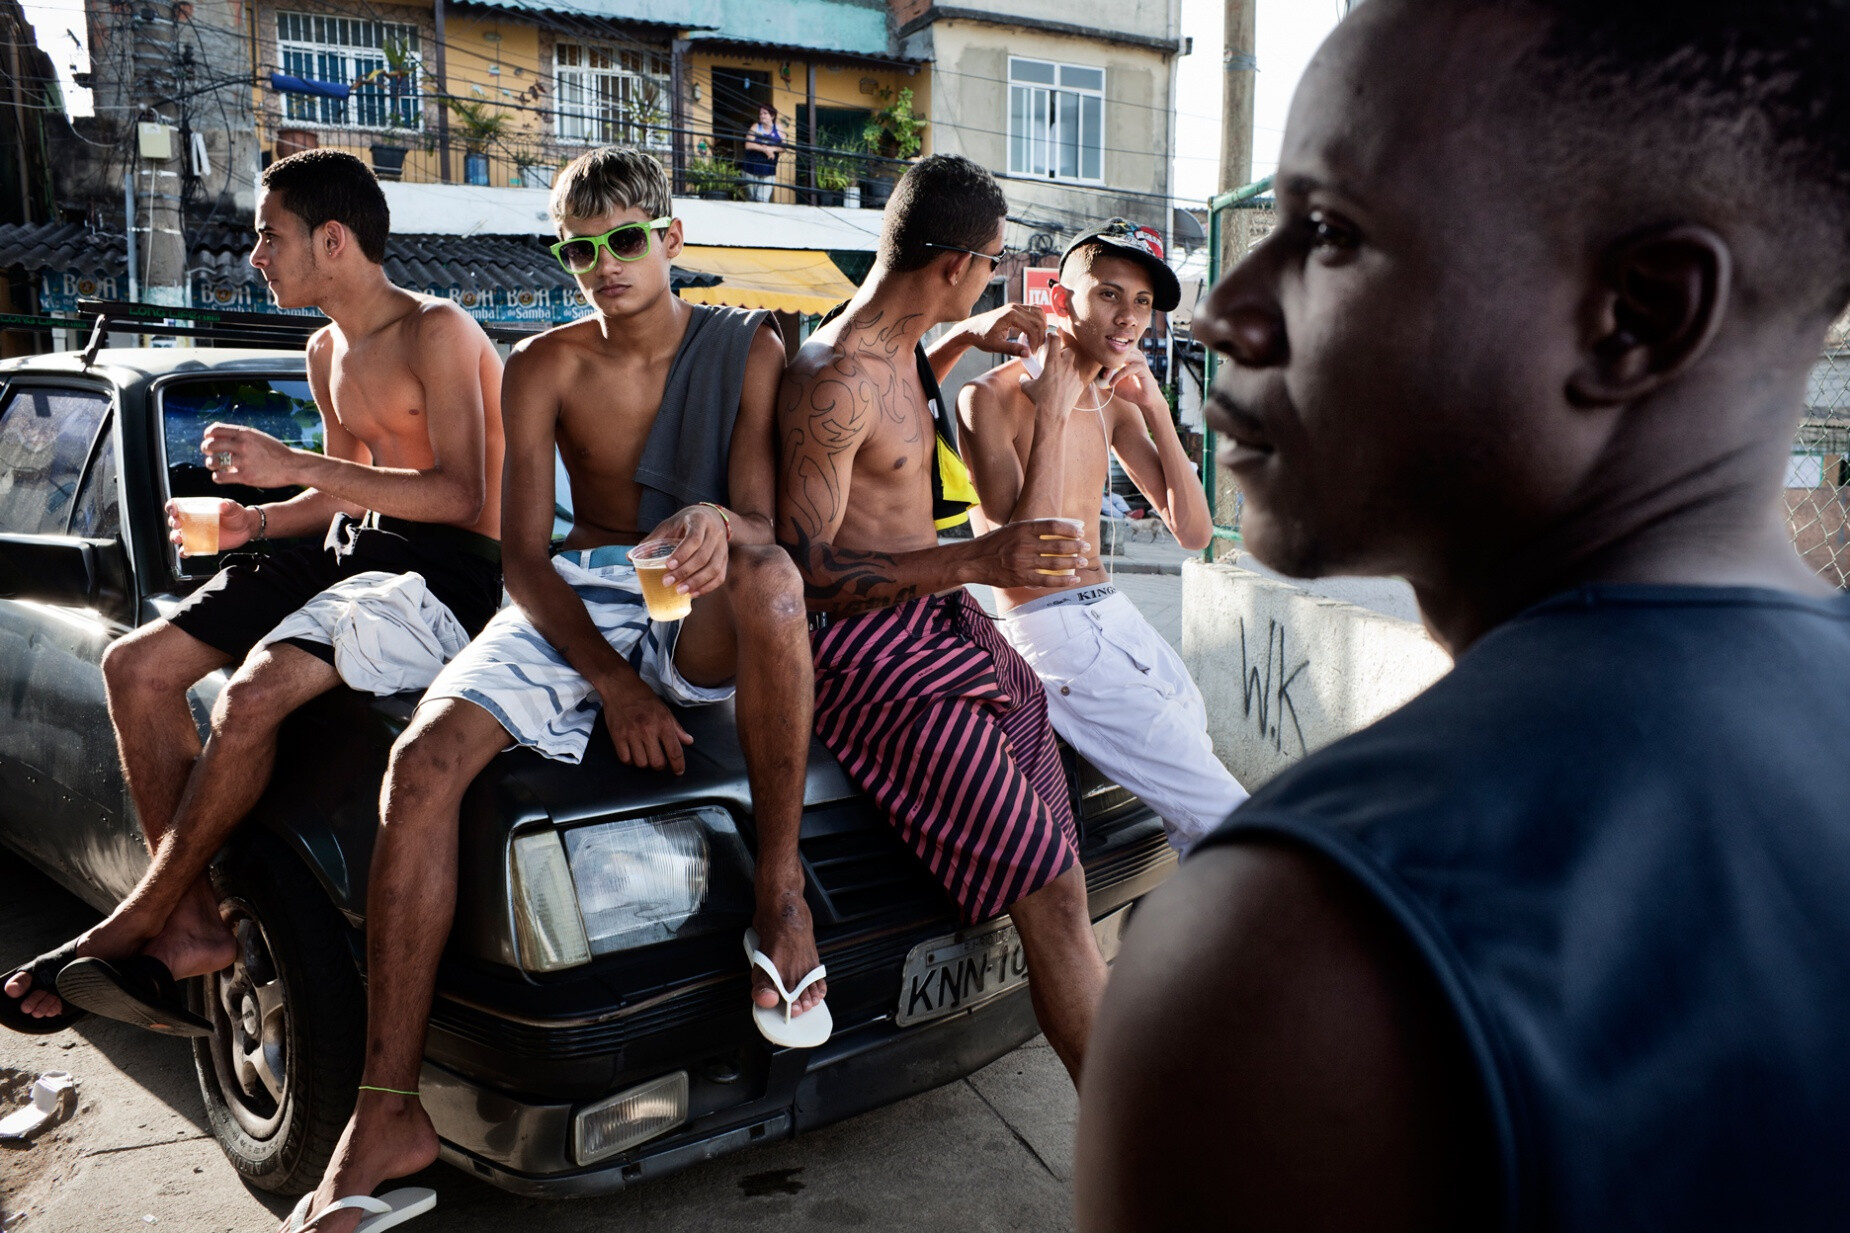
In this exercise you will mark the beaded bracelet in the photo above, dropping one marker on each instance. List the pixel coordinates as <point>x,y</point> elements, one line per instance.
<point>263,520</point>
<point>723,517</point>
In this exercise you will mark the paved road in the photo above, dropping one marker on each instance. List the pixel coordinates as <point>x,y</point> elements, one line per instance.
<point>992,1152</point>
<point>989,1153</point>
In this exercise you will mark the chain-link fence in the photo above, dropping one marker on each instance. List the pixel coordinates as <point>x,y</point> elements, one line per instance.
<point>1817,494</point>
<point>1818,473</point>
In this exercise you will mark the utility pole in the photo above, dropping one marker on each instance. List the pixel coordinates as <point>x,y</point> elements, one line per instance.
<point>165,251</point>
<point>443,99</point>
<point>1240,69</point>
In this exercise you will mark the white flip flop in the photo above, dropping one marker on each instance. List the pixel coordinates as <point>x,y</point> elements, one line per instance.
<point>388,1210</point>
<point>804,1031</point>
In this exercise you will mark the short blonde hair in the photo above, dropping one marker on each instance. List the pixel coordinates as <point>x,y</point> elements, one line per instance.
<point>611,178</point>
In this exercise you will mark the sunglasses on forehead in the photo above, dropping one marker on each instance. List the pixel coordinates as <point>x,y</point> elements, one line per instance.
<point>630,242</point>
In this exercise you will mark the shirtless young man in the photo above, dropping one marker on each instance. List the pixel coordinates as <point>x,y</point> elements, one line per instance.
<point>923,703</point>
<point>663,412</point>
<point>1116,690</point>
<point>409,392</point>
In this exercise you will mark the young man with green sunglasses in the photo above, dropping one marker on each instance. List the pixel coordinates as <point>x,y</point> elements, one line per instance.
<point>663,412</point>
<point>626,242</point>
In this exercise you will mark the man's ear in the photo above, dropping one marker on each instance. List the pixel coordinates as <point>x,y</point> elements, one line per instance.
<point>672,239</point>
<point>956,267</point>
<point>1660,302</point>
<point>1060,300</point>
<point>331,239</point>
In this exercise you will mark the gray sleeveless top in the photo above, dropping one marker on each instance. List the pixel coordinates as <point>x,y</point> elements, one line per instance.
<point>684,461</point>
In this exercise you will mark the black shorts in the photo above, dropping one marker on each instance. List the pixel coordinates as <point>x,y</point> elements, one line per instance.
<point>252,594</point>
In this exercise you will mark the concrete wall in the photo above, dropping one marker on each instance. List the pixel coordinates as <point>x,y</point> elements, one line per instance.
<point>1284,672</point>
<point>1149,19</point>
<point>970,116</point>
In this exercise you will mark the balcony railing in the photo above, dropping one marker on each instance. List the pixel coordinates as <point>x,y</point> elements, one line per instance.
<point>810,175</point>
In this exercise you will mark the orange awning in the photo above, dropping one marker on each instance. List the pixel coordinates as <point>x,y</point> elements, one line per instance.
<point>793,280</point>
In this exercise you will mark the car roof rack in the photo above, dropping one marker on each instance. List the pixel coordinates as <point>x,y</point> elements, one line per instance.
<point>287,331</point>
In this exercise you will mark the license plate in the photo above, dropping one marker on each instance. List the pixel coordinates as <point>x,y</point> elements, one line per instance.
<point>948,975</point>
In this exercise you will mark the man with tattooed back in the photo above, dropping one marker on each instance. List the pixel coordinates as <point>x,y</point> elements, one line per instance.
<point>924,704</point>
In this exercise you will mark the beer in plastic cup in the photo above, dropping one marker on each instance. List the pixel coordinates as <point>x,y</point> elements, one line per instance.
<point>198,525</point>
<point>1078,527</point>
<point>664,602</point>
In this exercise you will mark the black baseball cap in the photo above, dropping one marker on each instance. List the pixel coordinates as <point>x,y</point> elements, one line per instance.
<point>1141,245</point>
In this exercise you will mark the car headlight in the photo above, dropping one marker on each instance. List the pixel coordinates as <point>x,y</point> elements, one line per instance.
<point>635,882</point>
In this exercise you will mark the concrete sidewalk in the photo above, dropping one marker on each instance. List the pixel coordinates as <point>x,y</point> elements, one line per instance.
<point>989,1153</point>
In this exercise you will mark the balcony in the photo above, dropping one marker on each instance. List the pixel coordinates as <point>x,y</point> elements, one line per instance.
<point>814,176</point>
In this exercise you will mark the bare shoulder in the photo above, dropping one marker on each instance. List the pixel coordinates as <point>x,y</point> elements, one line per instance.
<point>442,323</point>
<point>1269,1031</point>
<point>767,345</point>
<point>320,352</point>
<point>992,395</point>
<point>546,354</point>
<point>814,360</point>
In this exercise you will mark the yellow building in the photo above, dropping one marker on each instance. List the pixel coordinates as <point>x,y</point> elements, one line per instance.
<point>499,95</point>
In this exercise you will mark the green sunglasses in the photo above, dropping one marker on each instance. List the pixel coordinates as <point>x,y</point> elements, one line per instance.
<point>630,242</point>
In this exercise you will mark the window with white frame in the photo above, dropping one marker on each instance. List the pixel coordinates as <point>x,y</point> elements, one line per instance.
<point>378,59</point>
<point>1056,120</point>
<point>611,95</point>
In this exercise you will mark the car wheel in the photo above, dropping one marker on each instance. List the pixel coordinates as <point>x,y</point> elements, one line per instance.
<point>280,1074</point>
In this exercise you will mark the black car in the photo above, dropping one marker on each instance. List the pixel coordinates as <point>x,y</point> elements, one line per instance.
<point>592,1024</point>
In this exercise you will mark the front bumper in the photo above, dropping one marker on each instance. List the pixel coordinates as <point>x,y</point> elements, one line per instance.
<point>503,1086</point>
<point>526,1148</point>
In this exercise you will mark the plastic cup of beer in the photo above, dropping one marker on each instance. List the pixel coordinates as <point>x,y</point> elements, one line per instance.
<point>198,518</point>
<point>664,602</point>
<point>1078,527</point>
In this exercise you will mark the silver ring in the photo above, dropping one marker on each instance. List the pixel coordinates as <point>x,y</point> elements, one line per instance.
<point>224,455</point>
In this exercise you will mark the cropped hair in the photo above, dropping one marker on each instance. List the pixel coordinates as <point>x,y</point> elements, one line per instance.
<point>611,178</point>
<point>1743,102</point>
<point>322,186</point>
<point>943,200</point>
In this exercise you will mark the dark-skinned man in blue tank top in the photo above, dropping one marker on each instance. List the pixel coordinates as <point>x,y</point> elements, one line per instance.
<point>1560,944</point>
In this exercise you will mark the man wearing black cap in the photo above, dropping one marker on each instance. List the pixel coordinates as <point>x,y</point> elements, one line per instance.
<point>1037,447</point>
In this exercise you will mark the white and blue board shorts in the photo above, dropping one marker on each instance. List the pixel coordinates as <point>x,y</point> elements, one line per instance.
<point>514,674</point>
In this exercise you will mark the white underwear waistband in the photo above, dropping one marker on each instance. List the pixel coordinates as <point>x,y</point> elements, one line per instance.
<point>1084,595</point>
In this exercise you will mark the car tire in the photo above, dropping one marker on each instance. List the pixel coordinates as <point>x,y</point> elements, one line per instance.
<point>280,1075</point>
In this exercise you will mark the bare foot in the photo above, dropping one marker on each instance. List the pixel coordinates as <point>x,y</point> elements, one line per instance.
<point>39,1003</point>
<point>787,935</point>
<point>388,1136</point>
<point>194,940</point>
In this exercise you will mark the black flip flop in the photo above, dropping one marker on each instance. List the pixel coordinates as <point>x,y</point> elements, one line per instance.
<point>44,972</point>
<point>139,990</point>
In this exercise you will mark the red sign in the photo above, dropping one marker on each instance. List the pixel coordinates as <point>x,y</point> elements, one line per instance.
<point>1037,286</point>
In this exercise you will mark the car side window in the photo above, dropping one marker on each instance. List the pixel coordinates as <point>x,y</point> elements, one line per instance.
<point>97,513</point>
<point>282,407</point>
<point>45,437</point>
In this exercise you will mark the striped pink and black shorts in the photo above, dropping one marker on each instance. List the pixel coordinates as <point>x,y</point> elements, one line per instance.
<point>931,712</point>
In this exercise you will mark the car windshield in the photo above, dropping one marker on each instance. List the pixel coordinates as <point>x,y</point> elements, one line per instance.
<point>282,407</point>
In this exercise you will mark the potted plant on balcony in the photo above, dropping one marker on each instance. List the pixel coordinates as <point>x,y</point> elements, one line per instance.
<point>480,128</point>
<point>711,177</point>
<point>895,132</point>
<point>835,171</point>
<point>399,77</point>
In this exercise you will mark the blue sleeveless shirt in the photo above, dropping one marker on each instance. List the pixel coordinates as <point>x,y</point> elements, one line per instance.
<point>1618,833</point>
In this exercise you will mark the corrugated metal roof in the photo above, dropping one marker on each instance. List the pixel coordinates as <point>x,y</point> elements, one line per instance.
<point>484,262</point>
<point>621,11</point>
